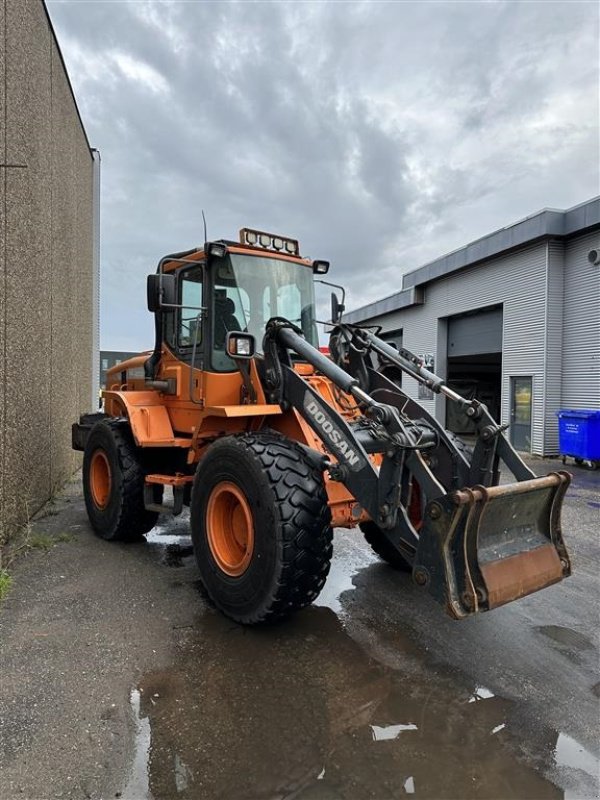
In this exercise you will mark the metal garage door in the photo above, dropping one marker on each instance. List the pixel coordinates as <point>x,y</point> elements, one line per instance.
<point>471,334</point>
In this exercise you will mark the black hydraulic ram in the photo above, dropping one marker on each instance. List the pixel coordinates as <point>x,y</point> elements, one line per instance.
<point>490,447</point>
<point>399,440</point>
<point>404,433</point>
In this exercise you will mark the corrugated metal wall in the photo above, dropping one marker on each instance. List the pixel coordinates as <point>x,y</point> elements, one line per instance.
<point>554,336</point>
<point>581,326</point>
<point>518,282</point>
<point>551,327</point>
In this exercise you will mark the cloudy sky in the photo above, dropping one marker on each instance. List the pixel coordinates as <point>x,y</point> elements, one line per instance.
<point>381,134</point>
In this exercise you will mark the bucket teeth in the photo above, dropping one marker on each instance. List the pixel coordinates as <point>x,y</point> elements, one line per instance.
<point>483,547</point>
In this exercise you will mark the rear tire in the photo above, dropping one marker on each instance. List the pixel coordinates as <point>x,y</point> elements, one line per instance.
<point>382,547</point>
<point>261,527</point>
<point>113,483</point>
<point>377,538</point>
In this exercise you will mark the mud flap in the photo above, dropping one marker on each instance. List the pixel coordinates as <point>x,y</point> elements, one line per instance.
<point>483,547</point>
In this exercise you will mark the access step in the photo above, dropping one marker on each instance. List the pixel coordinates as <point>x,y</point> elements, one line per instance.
<point>177,482</point>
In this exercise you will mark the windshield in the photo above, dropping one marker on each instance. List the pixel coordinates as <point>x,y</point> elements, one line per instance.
<point>249,290</point>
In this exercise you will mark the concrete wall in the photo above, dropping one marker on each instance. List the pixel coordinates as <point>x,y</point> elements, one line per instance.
<point>46,312</point>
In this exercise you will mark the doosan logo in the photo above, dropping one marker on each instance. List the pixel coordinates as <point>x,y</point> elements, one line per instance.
<point>334,436</point>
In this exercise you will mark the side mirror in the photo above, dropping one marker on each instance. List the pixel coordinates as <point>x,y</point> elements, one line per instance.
<point>337,309</point>
<point>161,290</point>
<point>240,345</point>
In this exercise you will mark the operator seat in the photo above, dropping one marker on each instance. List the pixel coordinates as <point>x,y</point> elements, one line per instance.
<point>225,320</point>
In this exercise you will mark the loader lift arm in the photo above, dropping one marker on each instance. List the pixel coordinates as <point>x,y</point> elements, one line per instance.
<point>478,547</point>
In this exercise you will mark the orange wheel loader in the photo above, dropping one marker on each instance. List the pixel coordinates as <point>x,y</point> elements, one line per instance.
<point>272,443</point>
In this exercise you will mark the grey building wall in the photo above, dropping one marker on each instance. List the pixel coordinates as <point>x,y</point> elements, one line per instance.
<point>554,350</point>
<point>581,330</point>
<point>550,297</point>
<point>45,264</point>
<point>518,282</point>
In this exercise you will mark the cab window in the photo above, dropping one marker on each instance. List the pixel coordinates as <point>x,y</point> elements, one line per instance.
<point>189,323</point>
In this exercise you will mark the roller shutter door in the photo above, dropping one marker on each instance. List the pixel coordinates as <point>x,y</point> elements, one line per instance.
<point>472,334</point>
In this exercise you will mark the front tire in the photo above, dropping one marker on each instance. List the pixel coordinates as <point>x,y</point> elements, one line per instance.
<point>113,483</point>
<point>261,527</point>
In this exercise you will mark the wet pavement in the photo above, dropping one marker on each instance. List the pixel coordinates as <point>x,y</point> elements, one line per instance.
<point>119,680</point>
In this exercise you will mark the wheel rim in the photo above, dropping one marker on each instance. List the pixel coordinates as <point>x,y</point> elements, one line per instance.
<point>230,529</point>
<point>100,478</point>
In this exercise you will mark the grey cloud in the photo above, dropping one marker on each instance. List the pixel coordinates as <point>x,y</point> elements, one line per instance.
<point>380,134</point>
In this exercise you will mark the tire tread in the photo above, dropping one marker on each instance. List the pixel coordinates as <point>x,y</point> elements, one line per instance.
<point>133,519</point>
<point>304,517</point>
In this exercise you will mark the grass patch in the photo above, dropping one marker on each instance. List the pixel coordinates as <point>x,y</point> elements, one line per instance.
<point>41,541</point>
<point>5,583</point>
<point>64,537</point>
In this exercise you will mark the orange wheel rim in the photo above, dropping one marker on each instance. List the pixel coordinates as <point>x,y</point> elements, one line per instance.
<point>100,478</point>
<point>230,528</point>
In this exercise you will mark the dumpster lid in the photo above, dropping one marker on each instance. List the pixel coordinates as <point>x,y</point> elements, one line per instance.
<point>580,413</point>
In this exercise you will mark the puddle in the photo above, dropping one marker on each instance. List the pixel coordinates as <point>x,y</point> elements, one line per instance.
<point>301,711</point>
<point>170,540</point>
<point>570,753</point>
<point>480,693</point>
<point>386,732</point>
<point>342,572</point>
<point>137,786</point>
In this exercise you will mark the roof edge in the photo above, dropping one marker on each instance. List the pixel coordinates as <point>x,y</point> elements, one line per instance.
<point>395,302</point>
<point>66,72</point>
<point>545,224</point>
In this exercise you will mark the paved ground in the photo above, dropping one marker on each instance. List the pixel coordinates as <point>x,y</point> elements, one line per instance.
<point>119,680</point>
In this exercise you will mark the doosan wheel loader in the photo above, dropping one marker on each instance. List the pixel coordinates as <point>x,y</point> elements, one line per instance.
<point>272,443</point>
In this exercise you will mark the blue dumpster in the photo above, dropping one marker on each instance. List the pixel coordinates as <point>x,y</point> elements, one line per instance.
<point>579,433</point>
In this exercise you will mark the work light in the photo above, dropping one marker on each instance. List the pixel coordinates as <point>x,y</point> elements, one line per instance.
<point>217,250</point>
<point>269,241</point>
<point>321,267</point>
<point>240,345</point>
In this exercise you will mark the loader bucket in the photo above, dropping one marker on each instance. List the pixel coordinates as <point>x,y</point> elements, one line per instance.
<point>483,547</point>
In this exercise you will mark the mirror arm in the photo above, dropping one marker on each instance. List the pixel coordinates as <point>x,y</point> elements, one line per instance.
<point>334,286</point>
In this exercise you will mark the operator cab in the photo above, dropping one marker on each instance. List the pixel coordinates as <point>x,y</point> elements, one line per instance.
<point>201,296</point>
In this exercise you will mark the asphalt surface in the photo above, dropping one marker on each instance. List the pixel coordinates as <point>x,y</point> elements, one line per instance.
<point>118,679</point>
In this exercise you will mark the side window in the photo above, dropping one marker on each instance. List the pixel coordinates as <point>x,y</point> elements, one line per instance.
<point>189,328</point>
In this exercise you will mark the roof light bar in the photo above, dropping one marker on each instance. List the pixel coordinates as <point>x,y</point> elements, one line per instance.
<point>269,241</point>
